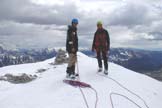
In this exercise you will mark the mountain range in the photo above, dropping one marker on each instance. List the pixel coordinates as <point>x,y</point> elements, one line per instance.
<point>143,61</point>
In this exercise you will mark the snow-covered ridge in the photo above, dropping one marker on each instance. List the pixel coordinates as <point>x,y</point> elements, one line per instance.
<point>49,91</point>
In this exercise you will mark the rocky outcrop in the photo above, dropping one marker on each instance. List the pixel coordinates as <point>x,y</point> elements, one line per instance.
<point>17,79</point>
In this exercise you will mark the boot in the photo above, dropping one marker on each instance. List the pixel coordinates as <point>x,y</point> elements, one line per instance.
<point>100,69</point>
<point>73,70</point>
<point>106,72</point>
<point>72,75</point>
<point>68,72</point>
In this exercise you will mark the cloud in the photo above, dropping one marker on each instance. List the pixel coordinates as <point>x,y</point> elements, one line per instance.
<point>24,11</point>
<point>31,35</point>
<point>131,14</point>
<point>156,35</point>
<point>43,23</point>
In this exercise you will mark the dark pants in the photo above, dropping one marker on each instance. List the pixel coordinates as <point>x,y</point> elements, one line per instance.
<point>104,57</point>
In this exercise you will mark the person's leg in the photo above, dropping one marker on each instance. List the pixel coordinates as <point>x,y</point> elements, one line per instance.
<point>70,63</point>
<point>104,55</point>
<point>68,71</point>
<point>74,60</point>
<point>99,60</point>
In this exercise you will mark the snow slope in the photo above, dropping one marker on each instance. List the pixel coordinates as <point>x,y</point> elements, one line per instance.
<point>49,91</point>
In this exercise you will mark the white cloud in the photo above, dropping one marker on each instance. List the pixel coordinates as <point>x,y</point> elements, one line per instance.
<point>48,2</point>
<point>31,35</point>
<point>44,22</point>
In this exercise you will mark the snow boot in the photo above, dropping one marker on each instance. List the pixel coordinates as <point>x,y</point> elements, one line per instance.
<point>106,72</point>
<point>72,72</point>
<point>100,70</point>
<point>68,70</point>
<point>72,76</point>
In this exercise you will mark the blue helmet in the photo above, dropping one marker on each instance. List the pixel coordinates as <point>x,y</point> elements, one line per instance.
<point>74,21</point>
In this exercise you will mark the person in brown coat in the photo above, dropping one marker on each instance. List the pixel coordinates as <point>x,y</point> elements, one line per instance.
<point>101,44</point>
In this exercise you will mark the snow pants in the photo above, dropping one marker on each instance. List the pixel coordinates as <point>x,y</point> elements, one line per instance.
<point>71,63</point>
<point>102,55</point>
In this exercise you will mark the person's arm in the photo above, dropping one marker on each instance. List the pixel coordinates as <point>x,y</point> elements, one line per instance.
<point>94,40</point>
<point>108,40</point>
<point>76,42</point>
<point>68,40</point>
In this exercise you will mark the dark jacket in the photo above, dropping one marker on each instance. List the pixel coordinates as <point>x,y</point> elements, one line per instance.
<point>72,39</point>
<point>101,41</point>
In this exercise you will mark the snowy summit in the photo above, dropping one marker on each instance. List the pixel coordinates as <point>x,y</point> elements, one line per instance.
<point>122,88</point>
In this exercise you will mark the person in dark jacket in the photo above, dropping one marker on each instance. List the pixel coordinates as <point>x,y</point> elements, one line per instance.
<point>72,47</point>
<point>101,44</point>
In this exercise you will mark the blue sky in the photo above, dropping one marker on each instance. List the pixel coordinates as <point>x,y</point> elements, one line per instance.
<point>43,23</point>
